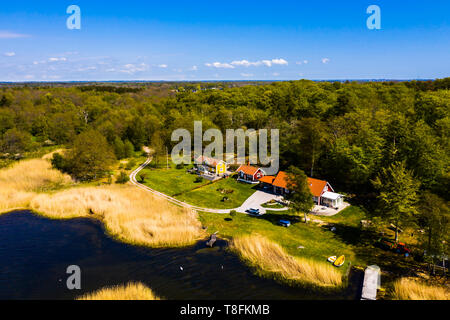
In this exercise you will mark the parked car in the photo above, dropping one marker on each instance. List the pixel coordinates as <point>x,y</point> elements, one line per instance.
<point>253,212</point>
<point>284,223</point>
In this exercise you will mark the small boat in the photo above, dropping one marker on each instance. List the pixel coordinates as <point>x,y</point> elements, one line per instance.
<point>339,261</point>
<point>331,259</point>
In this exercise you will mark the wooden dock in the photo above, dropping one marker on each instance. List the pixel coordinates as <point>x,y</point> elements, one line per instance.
<point>372,282</point>
<point>212,240</point>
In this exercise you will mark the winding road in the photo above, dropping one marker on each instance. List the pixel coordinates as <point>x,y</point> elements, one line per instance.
<point>254,201</point>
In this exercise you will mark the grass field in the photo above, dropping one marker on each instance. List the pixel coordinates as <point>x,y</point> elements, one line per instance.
<point>211,195</point>
<point>318,243</point>
<point>270,259</point>
<point>170,182</point>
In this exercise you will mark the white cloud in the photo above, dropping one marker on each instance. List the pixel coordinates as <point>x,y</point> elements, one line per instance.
<point>305,61</point>
<point>280,61</point>
<point>302,62</point>
<point>275,74</point>
<point>57,59</point>
<point>11,35</point>
<point>9,54</point>
<point>163,66</point>
<point>132,68</point>
<point>246,63</point>
<point>29,76</point>
<point>219,65</point>
<point>87,69</point>
<point>247,74</point>
<point>325,60</point>
<point>193,68</point>
<point>267,63</point>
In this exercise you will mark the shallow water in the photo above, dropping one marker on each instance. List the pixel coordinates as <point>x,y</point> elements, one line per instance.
<point>35,252</point>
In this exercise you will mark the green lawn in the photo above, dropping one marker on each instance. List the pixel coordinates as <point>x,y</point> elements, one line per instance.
<point>319,242</point>
<point>350,216</point>
<point>171,182</point>
<point>181,185</point>
<point>210,196</point>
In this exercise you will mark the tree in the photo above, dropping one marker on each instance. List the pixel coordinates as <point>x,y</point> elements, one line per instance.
<point>311,139</point>
<point>119,148</point>
<point>122,178</point>
<point>300,197</point>
<point>91,156</point>
<point>434,218</point>
<point>16,141</point>
<point>128,149</point>
<point>58,162</point>
<point>397,194</point>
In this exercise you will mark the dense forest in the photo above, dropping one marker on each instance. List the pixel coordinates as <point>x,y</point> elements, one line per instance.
<point>385,144</point>
<point>344,132</point>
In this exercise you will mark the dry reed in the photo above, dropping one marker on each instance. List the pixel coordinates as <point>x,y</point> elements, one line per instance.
<point>269,258</point>
<point>129,214</point>
<point>131,291</point>
<point>20,182</point>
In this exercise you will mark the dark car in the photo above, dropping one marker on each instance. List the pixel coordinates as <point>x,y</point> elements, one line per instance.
<point>253,212</point>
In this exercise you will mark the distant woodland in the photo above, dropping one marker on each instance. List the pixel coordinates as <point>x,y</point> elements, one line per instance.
<point>343,132</point>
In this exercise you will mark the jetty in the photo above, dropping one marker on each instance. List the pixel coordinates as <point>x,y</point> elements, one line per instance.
<point>212,240</point>
<point>372,282</point>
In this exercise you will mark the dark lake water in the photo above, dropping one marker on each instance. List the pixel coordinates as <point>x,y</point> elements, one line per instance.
<point>35,253</point>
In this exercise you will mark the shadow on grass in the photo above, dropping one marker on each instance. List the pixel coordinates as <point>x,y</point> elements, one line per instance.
<point>274,218</point>
<point>364,245</point>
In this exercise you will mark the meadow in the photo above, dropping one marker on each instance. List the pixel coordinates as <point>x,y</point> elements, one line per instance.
<point>183,186</point>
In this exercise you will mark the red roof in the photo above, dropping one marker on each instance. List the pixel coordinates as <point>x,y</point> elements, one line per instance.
<point>250,170</point>
<point>281,181</point>
<point>267,179</point>
<point>316,186</point>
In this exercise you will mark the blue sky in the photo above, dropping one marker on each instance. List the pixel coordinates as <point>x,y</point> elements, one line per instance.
<point>223,40</point>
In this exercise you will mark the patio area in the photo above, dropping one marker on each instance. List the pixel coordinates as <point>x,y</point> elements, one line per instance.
<point>327,211</point>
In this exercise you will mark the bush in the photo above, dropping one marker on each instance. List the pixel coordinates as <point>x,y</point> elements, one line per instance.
<point>122,178</point>
<point>180,166</point>
<point>58,162</point>
<point>131,164</point>
<point>142,177</point>
<point>198,179</point>
<point>233,213</point>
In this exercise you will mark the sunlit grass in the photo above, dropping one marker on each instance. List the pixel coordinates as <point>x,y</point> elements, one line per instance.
<point>131,291</point>
<point>129,214</point>
<point>269,258</point>
<point>410,289</point>
<point>20,182</point>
